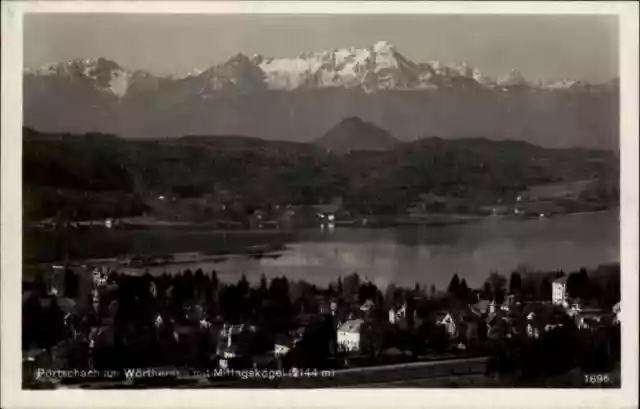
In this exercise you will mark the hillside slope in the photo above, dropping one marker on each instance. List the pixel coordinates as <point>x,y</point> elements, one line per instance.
<point>86,176</point>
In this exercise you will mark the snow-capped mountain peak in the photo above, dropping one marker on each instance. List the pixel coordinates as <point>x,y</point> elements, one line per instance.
<point>482,79</point>
<point>563,84</point>
<point>379,66</point>
<point>238,73</point>
<point>105,74</point>
<point>108,74</point>
<point>383,47</point>
<point>511,79</point>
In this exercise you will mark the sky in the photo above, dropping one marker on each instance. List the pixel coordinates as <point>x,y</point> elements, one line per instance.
<point>542,48</point>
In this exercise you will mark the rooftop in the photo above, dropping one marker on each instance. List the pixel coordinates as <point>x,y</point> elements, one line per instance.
<point>284,339</point>
<point>351,325</point>
<point>561,280</point>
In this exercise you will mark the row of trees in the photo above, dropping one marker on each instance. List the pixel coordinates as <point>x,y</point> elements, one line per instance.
<point>601,287</point>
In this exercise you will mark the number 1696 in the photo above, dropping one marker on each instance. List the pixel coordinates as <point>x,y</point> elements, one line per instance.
<point>597,378</point>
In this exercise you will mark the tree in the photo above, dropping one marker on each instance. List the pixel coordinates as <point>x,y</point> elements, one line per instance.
<point>515,283</point>
<point>71,284</point>
<point>279,301</point>
<point>487,291</point>
<point>351,286</point>
<point>32,319</point>
<point>54,323</point>
<point>497,284</point>
<point>214,278</point>
<point>579,285</point>
<point>545,289</point>
<point>390,294</point>
<point>437,337</point>
<point>463,290</point>
<point>230,303</point>
<point>199,284</point>
<point>368,291</point>
<point>212,294</point>
<point>263,282</point>
<point>243,286</point>
<point>300,290</point>
<point>454,286</point>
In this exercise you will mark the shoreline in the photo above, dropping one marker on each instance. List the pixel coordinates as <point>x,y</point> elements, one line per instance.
<point>248,243</point>
<point>377,221</point>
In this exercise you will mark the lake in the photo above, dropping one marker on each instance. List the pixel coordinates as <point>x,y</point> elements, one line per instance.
<point>402,255</point>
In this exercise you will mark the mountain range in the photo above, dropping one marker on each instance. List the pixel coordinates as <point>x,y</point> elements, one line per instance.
<point>299,98</point>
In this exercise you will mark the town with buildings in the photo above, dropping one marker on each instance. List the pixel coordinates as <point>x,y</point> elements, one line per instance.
<point>522,331</point>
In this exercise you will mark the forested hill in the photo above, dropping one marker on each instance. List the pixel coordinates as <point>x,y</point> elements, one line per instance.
<point>96,175</point>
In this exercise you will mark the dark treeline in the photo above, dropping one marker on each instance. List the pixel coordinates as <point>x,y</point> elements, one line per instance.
<point>68,176</point>
<point>600,287</point>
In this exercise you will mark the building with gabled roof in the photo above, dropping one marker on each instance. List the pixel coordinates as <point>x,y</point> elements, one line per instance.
<point>349,335</point>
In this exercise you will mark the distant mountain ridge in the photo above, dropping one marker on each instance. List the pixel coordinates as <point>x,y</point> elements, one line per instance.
<point>378,67</point>
<point>297,98</point>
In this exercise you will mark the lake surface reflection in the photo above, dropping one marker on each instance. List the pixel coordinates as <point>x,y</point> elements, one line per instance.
<point>431,255</point>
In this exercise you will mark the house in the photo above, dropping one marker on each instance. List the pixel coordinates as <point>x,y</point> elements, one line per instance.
<point>483,307</point>
<point>533,315</point>
<point>397,314</point>
<point>546,317</point>
<point>283,344</point>
<point>55,281</point>
<point>257,219</point>
<point>559,290</point>
<point>233,357</point>
<point>327,212</point>
<point>498,326</point>
<point>617,310</point>
<point>234,346</point>
<point>592,317</point>
<point>349,335</point>
<point>532,330</point>
<point>509,302</point>
<point>446,319</point>
<point>229,336</point>
<point>367,306</point>
<point>333,306</point>
<point>99,277</point>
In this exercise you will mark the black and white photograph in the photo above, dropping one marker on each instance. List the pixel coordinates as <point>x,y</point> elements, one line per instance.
<point>316,201</point>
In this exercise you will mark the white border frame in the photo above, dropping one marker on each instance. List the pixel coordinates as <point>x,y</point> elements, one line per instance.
<point>11,207</point>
